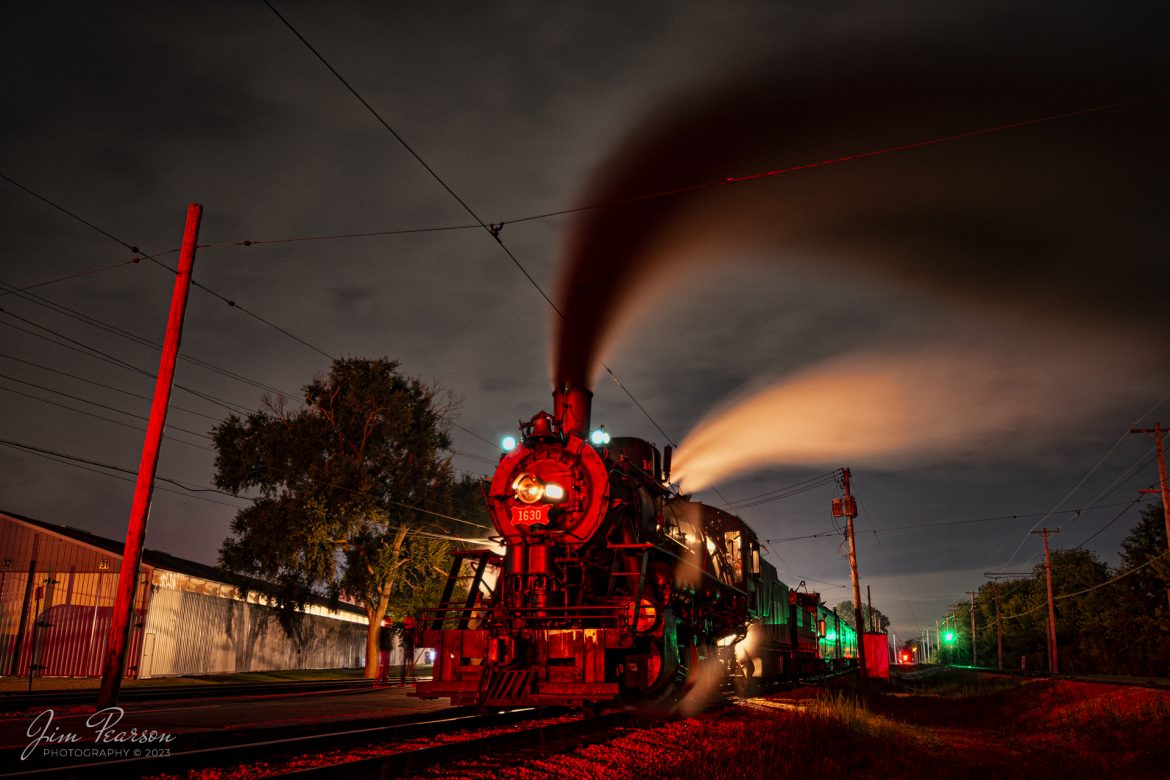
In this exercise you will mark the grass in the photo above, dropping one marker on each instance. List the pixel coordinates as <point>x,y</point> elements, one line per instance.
<point>20,684</point>
<point>954,723</point>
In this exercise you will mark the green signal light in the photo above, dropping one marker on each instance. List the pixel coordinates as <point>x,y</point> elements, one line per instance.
<point>949,636</point>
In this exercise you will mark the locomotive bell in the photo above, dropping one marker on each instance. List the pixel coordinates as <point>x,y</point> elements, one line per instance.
<point>541,427</point>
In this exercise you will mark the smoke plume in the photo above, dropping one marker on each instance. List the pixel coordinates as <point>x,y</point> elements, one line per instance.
<point>1055,227</point>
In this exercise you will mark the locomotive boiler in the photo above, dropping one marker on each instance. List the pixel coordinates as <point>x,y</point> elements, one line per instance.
<point>611,586</point>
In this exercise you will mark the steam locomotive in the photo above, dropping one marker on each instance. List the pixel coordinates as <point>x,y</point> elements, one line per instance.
<point>612,587</point>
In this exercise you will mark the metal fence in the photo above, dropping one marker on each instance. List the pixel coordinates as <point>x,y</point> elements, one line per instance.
<point>57,623</point>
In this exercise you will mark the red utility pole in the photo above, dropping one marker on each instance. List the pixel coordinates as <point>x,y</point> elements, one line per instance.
<point>847,507</point>
<point>1158,430</point>
<point>114,663</point>
<point>1052,665</point>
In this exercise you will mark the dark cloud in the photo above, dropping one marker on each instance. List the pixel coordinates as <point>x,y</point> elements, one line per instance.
<point>124,113</point>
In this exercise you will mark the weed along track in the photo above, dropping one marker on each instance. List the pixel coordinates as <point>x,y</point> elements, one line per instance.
<point>956,723</point>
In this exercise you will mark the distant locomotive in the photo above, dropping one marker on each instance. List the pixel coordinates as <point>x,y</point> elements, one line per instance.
<point>613,587</point>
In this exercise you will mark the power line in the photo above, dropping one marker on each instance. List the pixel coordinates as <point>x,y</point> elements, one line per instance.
<point>493,230</point>
<point>897,581</point>
<point>93,352</point>
<point>161,264</point>
<point>336,236</point>
<point>79,463</point>
<point>97,416</point>
<point>72,215</point>
<point>488,461</point>
<point>95,403</point>
<point>142,341</point>
<point>728,180</point>
<point>851,157</point>
<point>1067,496</point>
<point>92,321</point>
<point>1116,517</point>
<point>73,458</point>
<point>71,276</point>
<point>781,495</point>
<point>819,479</point>
<point>104,386</point>
<point>947,523</point>
<point>1121,576</point>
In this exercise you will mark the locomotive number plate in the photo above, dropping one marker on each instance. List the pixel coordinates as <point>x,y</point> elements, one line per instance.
<point>530,515</point>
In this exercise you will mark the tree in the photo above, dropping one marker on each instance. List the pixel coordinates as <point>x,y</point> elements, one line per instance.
<point>1143,617</point>
<point>845,610</point>
<point>355,492</point>
<point>1083,601</point>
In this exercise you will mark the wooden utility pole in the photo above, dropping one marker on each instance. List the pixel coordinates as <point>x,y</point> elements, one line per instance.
<point>995,577</point>
<point>847,506</point>
<point>1052,657</point>
<point>973,655</point>
<point>998,629</point>
<point>869,604</point>
<point>1158,430</point>
<point>114,663</point>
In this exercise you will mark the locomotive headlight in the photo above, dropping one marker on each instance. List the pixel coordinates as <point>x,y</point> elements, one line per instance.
<point>599,437</point>
<point>553,492</point>
<point>509,443</point>
<point>528,489</point>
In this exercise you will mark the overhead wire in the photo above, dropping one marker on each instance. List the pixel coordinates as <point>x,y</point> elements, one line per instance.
<point>142,341</point>
<point>66,457</point>
<point>847,157</point>
<point>492,229</point>
<point>1063,596</point>
<point>894,577</point>
<point>47,282</point>
<point>80,463</point>
<point>915,526</point>
<point>130,393</point>
<point>154,259</point>
<point>98,405</point>
<point>92,352</point>
<point>1067,496</point>
<point>818,479</point>
<point>96,416</point>
<point>1096,466</point>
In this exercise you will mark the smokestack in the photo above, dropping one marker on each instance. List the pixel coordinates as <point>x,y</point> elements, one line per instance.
<point>571,406</point>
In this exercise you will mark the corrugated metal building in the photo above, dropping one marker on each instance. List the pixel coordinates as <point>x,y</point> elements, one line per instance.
<point>57,587</point>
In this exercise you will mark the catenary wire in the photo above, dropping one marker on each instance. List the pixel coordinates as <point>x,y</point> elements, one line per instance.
<point>70,276</point>
<point>96,416</point>
<point>1062,596</point>
<point>130,393</point>
<point>68,460</point>
<point>98,405</point>
<point>93,352</point>
<point>493,230</point>
<point>142,341</point>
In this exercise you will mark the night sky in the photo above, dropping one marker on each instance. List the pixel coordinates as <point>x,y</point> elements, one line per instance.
<point>971,325</point>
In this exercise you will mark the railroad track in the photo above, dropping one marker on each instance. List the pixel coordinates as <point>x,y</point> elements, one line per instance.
<point>489,752</point>
<point>12,702</point>
<point>908,673</point>
<point>326,747</point>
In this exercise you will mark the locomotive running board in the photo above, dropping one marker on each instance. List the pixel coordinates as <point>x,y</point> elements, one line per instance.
<point>507,687</point>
